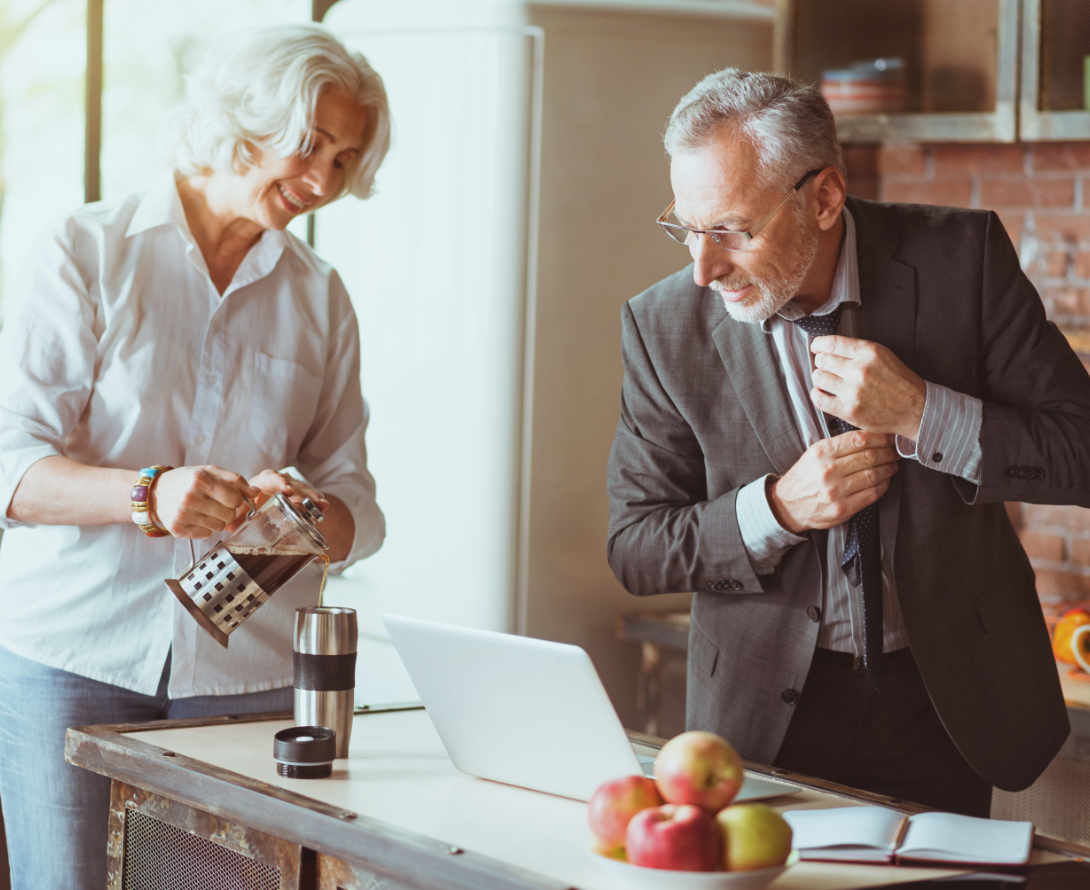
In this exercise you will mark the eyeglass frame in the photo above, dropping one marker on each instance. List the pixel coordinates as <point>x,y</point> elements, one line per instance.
<point>718,234</point>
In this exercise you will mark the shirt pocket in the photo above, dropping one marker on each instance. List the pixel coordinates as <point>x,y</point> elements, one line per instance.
<point>283,396</point>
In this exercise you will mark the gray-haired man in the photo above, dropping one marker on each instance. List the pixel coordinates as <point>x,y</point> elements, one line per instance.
<point>820,419</point>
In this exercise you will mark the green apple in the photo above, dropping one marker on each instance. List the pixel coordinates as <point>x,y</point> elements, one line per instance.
<point>754,836</point>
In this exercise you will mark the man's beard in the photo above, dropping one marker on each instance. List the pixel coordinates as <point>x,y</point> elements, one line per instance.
<point>772,295</point>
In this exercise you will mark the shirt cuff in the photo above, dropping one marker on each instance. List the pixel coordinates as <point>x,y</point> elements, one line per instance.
<point>949,436</point>
<point>765,540</point>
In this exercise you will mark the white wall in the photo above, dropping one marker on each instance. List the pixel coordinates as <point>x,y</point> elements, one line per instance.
<point>436,264</point>
<point>611,80</point>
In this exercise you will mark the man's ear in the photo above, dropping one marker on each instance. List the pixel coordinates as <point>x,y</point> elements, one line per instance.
<point>830,191</point>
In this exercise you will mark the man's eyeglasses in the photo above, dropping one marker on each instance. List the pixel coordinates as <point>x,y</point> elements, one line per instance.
<point>727,238</point>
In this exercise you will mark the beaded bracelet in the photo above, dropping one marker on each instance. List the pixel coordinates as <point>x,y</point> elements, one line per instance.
<point>139,497</point>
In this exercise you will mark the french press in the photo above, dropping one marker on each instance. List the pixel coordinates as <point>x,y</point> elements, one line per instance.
<point>227,585</point>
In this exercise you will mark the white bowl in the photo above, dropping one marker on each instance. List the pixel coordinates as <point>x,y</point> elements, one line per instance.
<point>638,877</point>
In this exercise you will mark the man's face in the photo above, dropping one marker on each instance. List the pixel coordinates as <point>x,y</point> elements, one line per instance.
<point>716,186</point>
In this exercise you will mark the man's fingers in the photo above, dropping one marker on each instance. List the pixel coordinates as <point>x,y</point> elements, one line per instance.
<point>869,478</point>
<point>829,382</point>
<point>857,440</point>
<point>855,502</point>
<point>837,364</point>
<point>836,344</point>
<point>868,458</point>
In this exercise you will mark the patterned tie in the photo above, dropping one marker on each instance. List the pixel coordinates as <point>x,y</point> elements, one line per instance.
<point>861,561</point>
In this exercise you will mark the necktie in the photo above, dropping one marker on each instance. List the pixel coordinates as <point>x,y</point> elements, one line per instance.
<point>861,560</point>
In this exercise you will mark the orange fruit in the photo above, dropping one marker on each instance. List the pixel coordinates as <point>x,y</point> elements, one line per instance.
<point>1061,636</point>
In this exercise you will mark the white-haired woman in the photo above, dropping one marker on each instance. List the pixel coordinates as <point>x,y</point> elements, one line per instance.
<point>183,338</point>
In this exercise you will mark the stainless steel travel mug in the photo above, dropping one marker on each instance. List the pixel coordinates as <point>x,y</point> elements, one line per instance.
<point>324,662</point>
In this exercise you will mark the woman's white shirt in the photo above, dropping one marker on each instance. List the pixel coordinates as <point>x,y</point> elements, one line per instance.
<point>120,352</point>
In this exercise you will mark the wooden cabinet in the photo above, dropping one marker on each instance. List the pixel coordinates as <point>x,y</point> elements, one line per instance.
<point>1054,98</point>
<point>974,70</point>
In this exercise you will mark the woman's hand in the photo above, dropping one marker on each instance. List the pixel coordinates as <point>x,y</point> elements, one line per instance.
<point>272,482</point>
<point>195,502</point>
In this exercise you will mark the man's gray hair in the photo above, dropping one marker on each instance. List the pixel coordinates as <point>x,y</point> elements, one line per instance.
<point>789,124</point>
<point>261,87</point>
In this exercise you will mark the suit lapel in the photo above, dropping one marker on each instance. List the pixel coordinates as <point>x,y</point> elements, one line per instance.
<point>747,354</point>
<point>887,288</point>
<point>886,284</point>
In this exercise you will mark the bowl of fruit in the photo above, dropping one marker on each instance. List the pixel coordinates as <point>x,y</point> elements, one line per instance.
<point>680,829</point>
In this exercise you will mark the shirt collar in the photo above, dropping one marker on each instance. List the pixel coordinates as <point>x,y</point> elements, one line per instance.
<point>845,287</point>
<point>162,206</point>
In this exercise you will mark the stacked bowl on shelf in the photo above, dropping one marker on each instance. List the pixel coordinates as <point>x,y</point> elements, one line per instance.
<point>871,86</point>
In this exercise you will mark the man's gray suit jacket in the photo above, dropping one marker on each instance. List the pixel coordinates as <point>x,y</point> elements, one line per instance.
<point>704,410</point>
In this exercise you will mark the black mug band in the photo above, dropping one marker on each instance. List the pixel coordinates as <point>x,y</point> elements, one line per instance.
<point>324,673</point>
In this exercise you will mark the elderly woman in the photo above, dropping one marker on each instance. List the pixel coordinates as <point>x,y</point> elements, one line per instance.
<point>180,336</point>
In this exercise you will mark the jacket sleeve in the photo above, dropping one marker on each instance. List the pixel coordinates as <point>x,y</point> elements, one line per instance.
<point>1035,432</point>
<point>665,533</point>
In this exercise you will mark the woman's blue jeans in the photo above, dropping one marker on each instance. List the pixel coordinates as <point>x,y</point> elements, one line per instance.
<point>54,813</point>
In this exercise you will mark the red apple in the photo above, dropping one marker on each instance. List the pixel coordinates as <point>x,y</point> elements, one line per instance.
<point>754,836</point>
<point>699,768</point>
<point>613,804</point>
<point>685,838</point>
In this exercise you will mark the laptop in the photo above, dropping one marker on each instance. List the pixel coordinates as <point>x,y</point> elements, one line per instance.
<point>524,711</point>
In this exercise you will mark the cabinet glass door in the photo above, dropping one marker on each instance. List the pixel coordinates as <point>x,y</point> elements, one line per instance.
<point>919,70</point>
<point>1055,88</point>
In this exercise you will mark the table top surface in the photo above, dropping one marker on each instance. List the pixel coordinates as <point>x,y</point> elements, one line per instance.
<point>398,773</point>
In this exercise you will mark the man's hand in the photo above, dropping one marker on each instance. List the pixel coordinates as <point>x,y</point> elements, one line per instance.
<point>195,502</point>
<point>833,480</point>
<point>865,384</point>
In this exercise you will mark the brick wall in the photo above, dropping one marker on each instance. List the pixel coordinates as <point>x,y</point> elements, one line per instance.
<point>1042,194</point>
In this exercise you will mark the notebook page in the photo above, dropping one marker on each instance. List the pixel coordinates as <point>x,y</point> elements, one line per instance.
<point>966,839</point>
<point>840,829</point>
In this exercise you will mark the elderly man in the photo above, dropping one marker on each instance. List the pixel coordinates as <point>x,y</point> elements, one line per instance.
<point>820,420</point>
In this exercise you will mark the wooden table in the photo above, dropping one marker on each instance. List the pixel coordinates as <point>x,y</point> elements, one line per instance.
<point>193,795</point>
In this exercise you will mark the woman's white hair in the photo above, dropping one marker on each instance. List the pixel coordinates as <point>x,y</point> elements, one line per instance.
<point>261,88</point>
<point>789,124</point>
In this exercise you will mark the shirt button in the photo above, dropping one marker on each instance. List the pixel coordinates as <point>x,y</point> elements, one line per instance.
<point>790,696</point>
<point>813,613</point>
<point>937,457</point>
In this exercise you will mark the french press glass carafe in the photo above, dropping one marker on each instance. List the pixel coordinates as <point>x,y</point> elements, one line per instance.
<point>226,586</point>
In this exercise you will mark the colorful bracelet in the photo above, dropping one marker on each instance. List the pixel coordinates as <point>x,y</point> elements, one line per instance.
<point>140,497</point>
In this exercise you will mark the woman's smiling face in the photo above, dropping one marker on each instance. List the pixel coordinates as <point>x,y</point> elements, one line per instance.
<point>274,190</point>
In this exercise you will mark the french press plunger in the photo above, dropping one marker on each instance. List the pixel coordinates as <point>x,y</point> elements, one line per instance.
<point>227,585</point>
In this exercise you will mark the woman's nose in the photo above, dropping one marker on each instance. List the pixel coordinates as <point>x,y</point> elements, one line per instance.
<point>319,178</point>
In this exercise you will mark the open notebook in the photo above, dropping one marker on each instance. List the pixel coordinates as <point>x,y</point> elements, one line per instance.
<point>880,834</point>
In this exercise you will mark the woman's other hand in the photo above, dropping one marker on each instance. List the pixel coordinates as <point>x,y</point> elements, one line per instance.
<point>195,502</point>
<point>273,482</point>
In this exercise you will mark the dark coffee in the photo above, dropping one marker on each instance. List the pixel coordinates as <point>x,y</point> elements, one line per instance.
<point>269,569</point>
